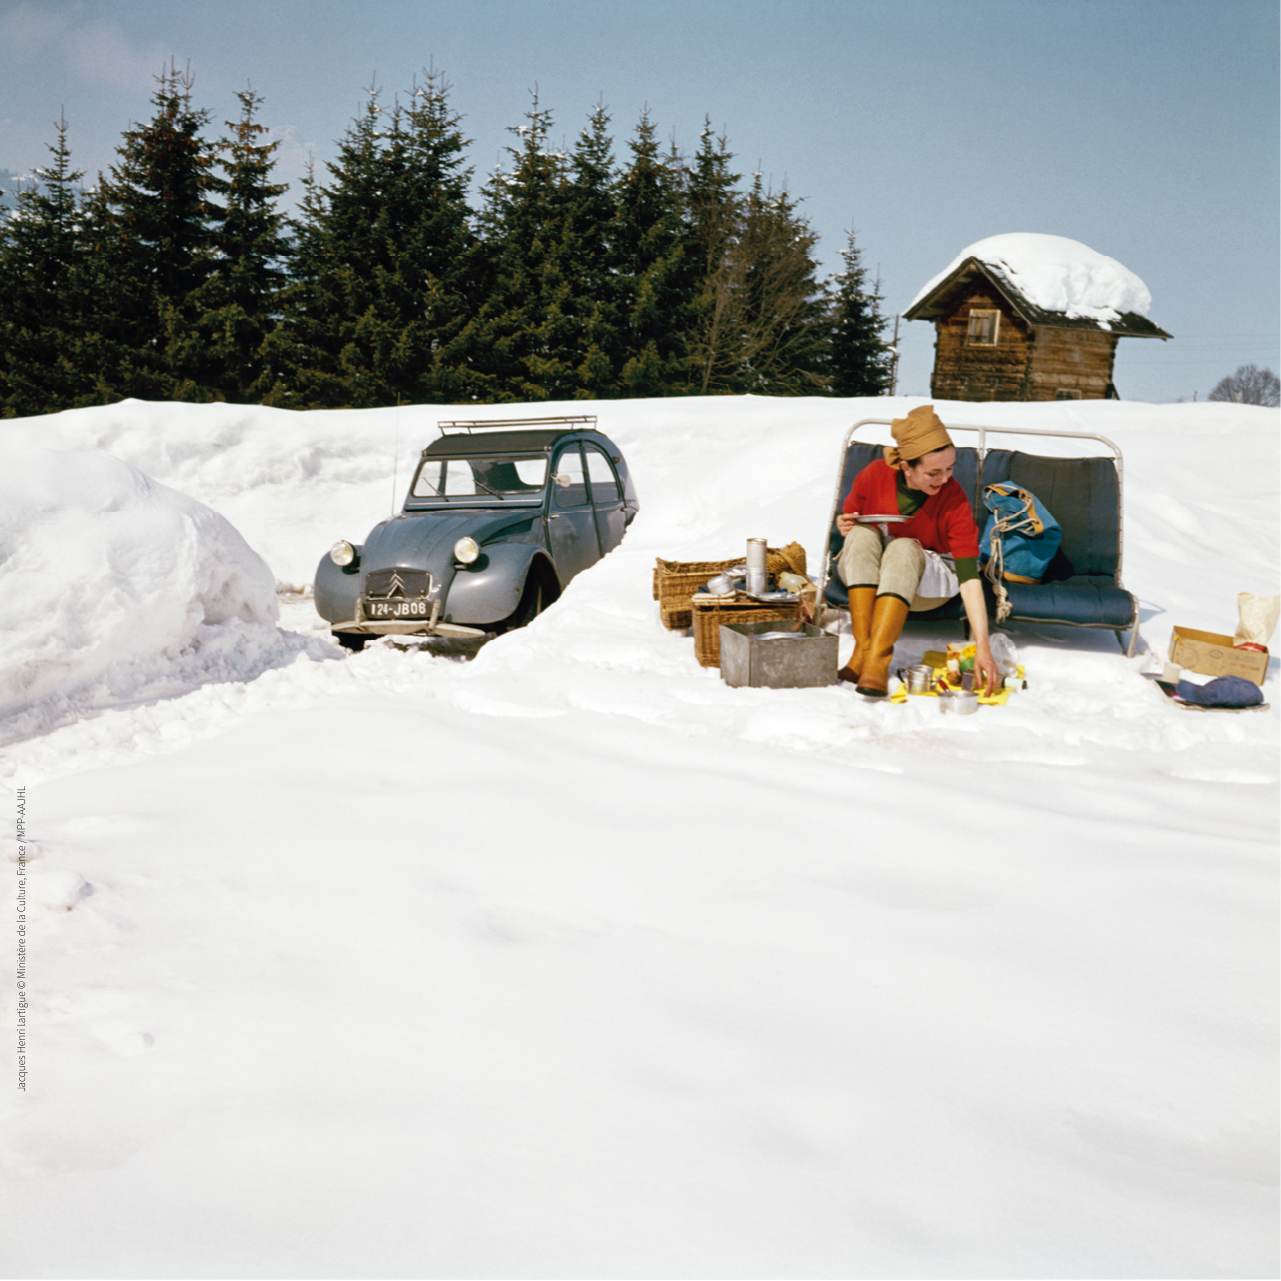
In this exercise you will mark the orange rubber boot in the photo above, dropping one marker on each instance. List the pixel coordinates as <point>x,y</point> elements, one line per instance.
<point>888,617</point>
<point>862,602</point>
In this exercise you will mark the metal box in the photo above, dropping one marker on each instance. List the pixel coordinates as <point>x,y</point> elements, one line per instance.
<point>771,655</point>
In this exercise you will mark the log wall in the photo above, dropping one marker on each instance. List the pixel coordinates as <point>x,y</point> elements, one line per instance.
<point>1025,364</point>
<point>1076,361</point>
<point>976,371</point>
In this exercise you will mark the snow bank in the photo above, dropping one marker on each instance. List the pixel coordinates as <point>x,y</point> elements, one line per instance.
<point>1058,274</point>
<point>282,478</point>
<point>111,582</point>
<point>574,961</point>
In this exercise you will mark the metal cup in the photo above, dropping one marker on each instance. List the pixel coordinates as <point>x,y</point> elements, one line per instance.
<point>919,679</point>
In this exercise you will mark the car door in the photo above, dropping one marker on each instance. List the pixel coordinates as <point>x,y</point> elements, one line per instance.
<point>571,522</point>
<point>607,498</point>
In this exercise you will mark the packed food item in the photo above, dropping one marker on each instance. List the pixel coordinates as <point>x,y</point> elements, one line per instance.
<point>1258,620</point>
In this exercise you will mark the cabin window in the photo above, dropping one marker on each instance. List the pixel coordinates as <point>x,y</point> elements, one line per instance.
<point>1067,393</point>
<point>984,327</point>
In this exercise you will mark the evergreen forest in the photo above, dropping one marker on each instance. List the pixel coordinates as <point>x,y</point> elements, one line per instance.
<point>583,274</point>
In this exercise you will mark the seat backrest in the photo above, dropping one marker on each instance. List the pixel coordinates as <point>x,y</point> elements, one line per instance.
<point>858,455</point>
<point>1082,494</point>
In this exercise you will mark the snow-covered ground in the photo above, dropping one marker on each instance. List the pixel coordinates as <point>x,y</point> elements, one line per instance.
<point>573,961</point>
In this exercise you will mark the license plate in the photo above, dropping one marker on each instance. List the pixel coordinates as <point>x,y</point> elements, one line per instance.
<point>420,608</point>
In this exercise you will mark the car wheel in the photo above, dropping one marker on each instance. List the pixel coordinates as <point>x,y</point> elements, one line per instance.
<point>349,640</point>
<point>540,591</point>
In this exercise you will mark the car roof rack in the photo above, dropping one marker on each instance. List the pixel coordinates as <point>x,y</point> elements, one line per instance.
<point>460,426</point>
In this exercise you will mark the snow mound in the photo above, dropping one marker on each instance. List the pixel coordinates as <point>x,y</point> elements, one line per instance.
<point>112,584</point>
<point>292,482</point>
<point>1058,274</point>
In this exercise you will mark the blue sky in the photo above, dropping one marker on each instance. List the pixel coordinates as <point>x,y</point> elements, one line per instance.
<point>1148,129</point>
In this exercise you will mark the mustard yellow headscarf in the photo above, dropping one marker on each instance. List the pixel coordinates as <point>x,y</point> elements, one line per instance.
<point>920,433</point>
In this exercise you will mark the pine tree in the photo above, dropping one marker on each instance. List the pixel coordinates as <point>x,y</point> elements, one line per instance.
<point>297,354</point>
<point>714,215</point>
<point>527,322</point>
<point>859,360</point>
<point>386,272</point>
<point>713,203</point>
<point>441,278</point>
<point>760,308</point>
<point>320,354</point>
<point>149,239</point>
<point>785,338</point>
<point>39,371</point>
<point>659,278</point>
<point>235,308</point>
<point>592,211</point>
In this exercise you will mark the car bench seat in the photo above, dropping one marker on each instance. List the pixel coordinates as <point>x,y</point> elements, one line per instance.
<point>1083,495</point>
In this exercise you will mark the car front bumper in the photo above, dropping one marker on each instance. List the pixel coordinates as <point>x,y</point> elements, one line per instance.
<point>362,626</point>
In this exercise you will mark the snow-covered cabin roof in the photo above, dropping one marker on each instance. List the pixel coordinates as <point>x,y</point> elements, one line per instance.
<point>1047,280</point>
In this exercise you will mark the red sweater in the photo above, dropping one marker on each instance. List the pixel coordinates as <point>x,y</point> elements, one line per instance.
<point>944,524</point>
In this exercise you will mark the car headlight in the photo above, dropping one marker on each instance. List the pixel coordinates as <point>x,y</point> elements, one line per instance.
<point>466,550</point>
<point>342,552</point>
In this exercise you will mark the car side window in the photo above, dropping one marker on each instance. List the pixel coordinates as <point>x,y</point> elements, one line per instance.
<point>570,485</point>
<point>605,487</point>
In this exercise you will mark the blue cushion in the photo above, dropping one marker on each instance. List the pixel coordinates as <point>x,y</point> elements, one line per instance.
<point>1086,600</point>
<point>1083,601</point>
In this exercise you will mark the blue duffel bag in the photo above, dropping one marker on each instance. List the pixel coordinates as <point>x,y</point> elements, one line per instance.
<point>1019,542</point>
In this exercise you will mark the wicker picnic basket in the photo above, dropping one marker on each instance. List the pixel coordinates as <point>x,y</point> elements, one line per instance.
<point>710,614</point>
<point>675,581</point>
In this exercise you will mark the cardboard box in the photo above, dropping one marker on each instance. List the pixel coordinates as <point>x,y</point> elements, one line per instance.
<point>1213,655</point>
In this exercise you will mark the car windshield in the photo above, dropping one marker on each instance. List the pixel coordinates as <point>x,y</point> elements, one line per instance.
<point>504,477</point>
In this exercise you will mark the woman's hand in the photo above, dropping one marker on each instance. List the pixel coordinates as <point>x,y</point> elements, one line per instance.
<point>986,670</point>
<point>845,522</point>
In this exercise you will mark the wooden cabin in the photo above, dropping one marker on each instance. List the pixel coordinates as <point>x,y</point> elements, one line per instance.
<point>994,344</point>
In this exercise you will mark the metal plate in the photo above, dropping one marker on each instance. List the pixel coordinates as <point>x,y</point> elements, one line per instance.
<point>396,584</point>
<point>419,608</point>
<point>882,520</point>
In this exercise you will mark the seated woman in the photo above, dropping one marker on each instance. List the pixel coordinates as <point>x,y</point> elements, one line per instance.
<point>928,559</point>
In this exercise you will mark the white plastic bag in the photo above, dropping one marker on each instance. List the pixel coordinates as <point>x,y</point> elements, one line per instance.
<point>1004,655</point>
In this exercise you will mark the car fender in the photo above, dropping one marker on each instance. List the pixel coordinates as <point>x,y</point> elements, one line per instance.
<point>488,590</point>
<point>337,587</point>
